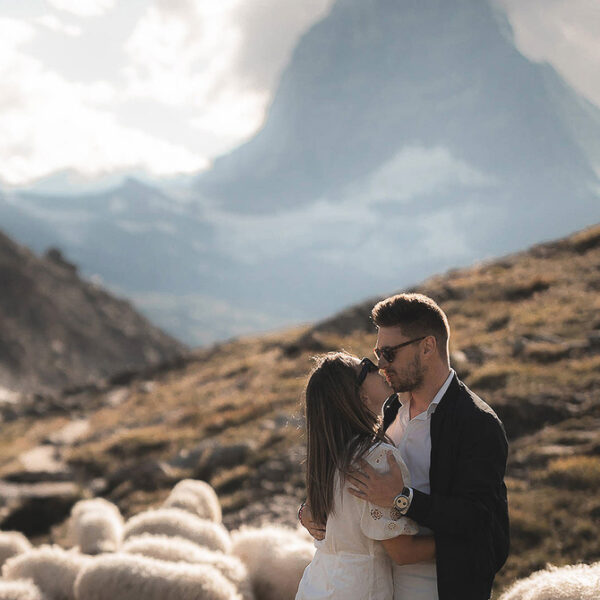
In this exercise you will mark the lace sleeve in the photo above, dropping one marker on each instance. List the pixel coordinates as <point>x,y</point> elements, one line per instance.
<point>379,523</point>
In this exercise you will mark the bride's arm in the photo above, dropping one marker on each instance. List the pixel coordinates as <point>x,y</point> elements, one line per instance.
<point>409,549</point>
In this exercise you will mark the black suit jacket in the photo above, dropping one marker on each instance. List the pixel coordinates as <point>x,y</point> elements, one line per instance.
<point>467,508</point>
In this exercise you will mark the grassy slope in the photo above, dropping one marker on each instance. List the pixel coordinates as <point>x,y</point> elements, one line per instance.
<point>526,337</point>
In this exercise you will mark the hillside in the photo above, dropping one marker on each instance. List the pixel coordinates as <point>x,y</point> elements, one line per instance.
<point>59,331</point>
<point>526,337</point>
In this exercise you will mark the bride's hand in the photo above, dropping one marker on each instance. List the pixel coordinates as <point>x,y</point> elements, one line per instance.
<point>316,530</point>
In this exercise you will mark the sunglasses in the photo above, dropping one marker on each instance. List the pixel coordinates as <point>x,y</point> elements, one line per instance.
<point>366,367</point>
<point>389,352</point>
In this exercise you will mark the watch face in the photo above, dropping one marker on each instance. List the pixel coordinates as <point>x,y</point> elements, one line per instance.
<point>401,502</point>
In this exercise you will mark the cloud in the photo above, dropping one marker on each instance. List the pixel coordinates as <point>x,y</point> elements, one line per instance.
<point>563,33</point>
<point>271,29</point>
<point>417,171</point>
<point>183,81</point>
<point>13,33</point>
<point>83,8</point>
<point>53,23</point>
<point>351,227</point>
<point>49,123</point>
<point>224,59</point>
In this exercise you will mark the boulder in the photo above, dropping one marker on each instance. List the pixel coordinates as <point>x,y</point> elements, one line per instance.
<point>34,508</point>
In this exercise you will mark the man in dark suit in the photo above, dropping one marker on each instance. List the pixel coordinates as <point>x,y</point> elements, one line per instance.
<point>455,448</point>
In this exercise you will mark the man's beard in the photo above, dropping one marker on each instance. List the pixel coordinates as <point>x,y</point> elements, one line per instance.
<point>410,378</point>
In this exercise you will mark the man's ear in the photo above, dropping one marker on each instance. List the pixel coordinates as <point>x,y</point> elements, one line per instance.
<point>429,345</point>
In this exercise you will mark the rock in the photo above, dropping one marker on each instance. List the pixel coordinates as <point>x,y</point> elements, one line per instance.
<point>311,341</point>
<point>281,509</point>
<point>97,486</point>
<point>9,396</point>
<point>273,470</point>
<point>188,459</point>
<point>56,256</point>
<point>525,415</point>
<point>218,457</point>
<point>538,456</point>
<point>460,363</point>
<point>34,508</point>
<point>356,318</point>
<point>117,396</point>
<point>70,433</point>
<point>148,475</point>
<point>477,355</point>
<point>43,463</point>
<point>498,323</point>
<point>594,339</point>
<point>147,387</point>
<point>548,348</point>
<point>41,458</point>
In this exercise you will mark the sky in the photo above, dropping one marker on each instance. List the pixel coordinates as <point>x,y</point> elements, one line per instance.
<point>165,86</point>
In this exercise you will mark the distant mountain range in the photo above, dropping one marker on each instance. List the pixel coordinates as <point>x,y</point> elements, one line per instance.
<point>61,332</point>
<point>404,138</point>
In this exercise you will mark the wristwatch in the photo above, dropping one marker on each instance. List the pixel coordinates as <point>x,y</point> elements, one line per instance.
<point>403,499</point>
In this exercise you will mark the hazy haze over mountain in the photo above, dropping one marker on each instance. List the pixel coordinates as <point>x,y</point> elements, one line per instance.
<point>405,137</point>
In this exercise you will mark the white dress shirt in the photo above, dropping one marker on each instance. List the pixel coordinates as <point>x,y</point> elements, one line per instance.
<point>413,438</point>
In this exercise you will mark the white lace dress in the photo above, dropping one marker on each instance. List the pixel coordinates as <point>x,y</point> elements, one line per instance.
<point>350,563</point>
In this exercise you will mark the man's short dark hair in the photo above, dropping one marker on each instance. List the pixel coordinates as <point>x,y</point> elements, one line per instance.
<point>417,315</point>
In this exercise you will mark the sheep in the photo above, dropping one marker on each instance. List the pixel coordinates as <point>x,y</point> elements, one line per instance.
<point>177,522</point>
<point>122,576</point>
<point>197,497</point>
<point>20,589</point>
<point>178,549</point>
<point>275,558</point>
<point>96,526</point>
<point>51,568</point>
<point>574,582</point>
<point>95,505</point>
<point>11,544</point>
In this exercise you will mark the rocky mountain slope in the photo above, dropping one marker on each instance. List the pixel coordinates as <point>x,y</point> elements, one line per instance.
<point>525,336</point>
<point>59,331</point>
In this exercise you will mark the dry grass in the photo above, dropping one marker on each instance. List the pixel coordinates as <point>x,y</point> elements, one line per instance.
<point>575,472</point>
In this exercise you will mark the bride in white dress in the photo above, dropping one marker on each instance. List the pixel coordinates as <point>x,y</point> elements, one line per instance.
<point>343,401</point>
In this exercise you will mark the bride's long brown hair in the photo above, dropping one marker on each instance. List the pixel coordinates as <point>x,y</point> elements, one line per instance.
<point>340,428</point>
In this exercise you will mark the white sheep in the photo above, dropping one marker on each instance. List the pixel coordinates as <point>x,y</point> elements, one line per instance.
<point>96,526</point>
<point>177,549</point>
<point>275,558</point>
<point>20,589</point>
<point>51,568</point>
<point>179,523</point>
<point>197,497</point>
<point>122,576</point>
<point>11,544</point>
<point>574,582</point>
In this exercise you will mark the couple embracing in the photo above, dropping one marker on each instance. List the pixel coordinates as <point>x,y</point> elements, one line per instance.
<point>405,492</point>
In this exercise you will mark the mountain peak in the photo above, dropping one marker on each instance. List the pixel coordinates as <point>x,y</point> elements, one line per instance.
<point>373,78</point>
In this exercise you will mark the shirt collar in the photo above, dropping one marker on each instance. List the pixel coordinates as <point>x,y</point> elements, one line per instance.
<point>441,392</point>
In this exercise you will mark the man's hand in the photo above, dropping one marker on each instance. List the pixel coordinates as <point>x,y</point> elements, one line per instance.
<point>315,529</point>
<point>378,488</point>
